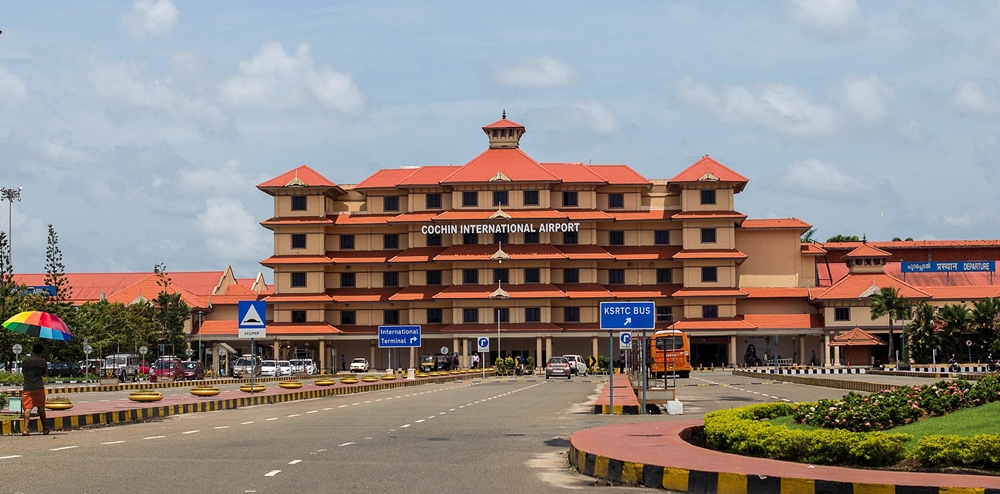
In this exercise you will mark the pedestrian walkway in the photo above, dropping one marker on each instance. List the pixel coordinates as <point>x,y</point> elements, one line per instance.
<point>625,402</point>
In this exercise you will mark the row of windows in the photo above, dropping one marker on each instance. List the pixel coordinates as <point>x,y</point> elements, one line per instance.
<point>844,314</point>
<point>471,277</point>
<point>391,240</point>
<point>471,315</point>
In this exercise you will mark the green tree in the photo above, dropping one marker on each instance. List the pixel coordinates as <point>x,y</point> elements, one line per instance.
<point>957,320</point>
<point>888,302</point>
<point>923,338</point>
<point>985,315</point>
<point>843,238</point>
<point>170,312</point>
<point>55,271</point>
<point>116,327</point>
<point>808,235</point>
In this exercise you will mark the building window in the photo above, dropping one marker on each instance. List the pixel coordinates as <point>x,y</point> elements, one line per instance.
<point>470,276</point>
<point>661,237</point>
<point>390,241</point>
<point>616,238</point>
<point>347,280</point>
<point>347,242</point>
<point>347,317</point>
<point>709,274</point>
<point>390,203</point>
<point>532,314</point>
<point>842,314</point>
<point>298,240</point>
<point>664,275</point>
<point>503,315</point>
<point>501,238</point>
<point>571,314</point>
<point>470,199</point>
<point>531,238</point>
<point>298,316</point>
<point>390,317</point>
<point>298,203</point>
<point>710,311</point>
<point>470,315</point>
<point>708,197</point>
<point>501,275</point>
<point>470,239</point>
<point>571,275</point>
<point>434,316</point>
<point>616,276</point>
<point>298,280</point>
<point>664,314</point>
<point>616,201</point>
<point>433,201</point>
<point>390,278</point>
<point>532,275</point>
<point>434,240</point>
<point>499,197</point>
<point>434,277</point>
<point>531,198</point>
<point>708,235</point>
<point>571,238</point>
<point>569,199</point>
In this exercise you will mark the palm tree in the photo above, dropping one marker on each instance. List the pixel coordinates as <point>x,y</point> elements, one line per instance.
<point>985,314</point>
<point>957,319</point>
<point>888,302</point>
<point>923,339</point>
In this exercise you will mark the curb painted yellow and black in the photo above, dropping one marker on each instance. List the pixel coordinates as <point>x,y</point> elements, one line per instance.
<point>13,426</point>
<point>618,410</point>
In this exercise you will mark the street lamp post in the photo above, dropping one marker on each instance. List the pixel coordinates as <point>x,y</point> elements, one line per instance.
<point>10,194</point>
<point>201,354</point>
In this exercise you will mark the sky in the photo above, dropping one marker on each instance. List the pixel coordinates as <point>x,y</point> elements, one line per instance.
<point>140,129</point>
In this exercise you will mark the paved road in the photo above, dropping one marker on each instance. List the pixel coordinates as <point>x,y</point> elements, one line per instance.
<point>498,434</point>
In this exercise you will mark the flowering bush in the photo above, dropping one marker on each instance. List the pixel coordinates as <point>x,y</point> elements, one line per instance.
<point>890,408</point>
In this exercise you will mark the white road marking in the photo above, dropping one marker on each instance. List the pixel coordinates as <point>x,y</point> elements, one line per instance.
<point>369,401</point>
<point>327,408</point>
<point>62,448</point>
<point>451,409</point>
<point>9,457</point>
<point>342,406</point>
<point>295,415</point>
<point>294,462</point>
<point>190,432</point>
<point>312,411</point>
<point>432,416</point>
<point>222,427</point>
<point>272,473</point>
<point>419,421</point>
<point>113,442</point>
<point>272,418</point>
<point>404,426</point>
<point>245,423</point>
<point>355,404</point>
<point>345,444</point>
<point>155,437</point>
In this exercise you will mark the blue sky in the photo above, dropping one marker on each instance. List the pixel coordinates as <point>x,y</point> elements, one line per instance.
<point>139,129</point>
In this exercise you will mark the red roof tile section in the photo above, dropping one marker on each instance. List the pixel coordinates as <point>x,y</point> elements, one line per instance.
<point>776,292</point>
<point>417,254</point>
<point>293,260</point>
<point>642,291</point>
<point>812,249</point>
<point>576,173</point>
<point>584,290</point>
<point>784,321</point>
<point>514,164</point>
<point>302,176</point>
<point>643,253</point>
<point>503,123</point>
<point>427,176</point>
<point>857,337</point>
<point>722,323</point>
<point>385,179</point>
<point>777,223</point>
<point>709,254</point>
<point>619,175</point>
<point>853,286</point>
<point>585,252</point>
<point>653,215</point>
<point>361,256</point>
<point>363,219</point>
<point>709,215</point>
<point>415,293</point>
<point>866,250</point>
<point>709,170</point>
<point>710,292</point>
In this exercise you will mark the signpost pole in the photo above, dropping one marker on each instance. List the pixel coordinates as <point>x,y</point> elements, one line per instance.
<point>253,364</point>
<point>642,363</point>
<point>611,371</point>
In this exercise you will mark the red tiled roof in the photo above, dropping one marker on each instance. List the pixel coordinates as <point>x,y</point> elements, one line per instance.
<point>642,291</point>
<point>586,214</point>
<point>361,256</point>
<point>482,252</point>
<point>292,260</point>
<point>576,173</point>
<point>88,287</point>
<point>812,249</point>
<point>917,244</point>
<point>297,298</point>
<point>485,214</point>
<point>722,323</point>
<point>643,253</point>
<point>784,321</point>
<point>962,292</point>
<point>707,169</point>
<point>386,178</point>
<point>857,337</point>
<point>219,327</point>
<point>653,215</point>
<point>619,175</point>
<point>585,290</point>
<point>866,250</point>
<point>417,254</point>
<point>297,221</point>
<point>852,286</point>
<point>482,292</point>
<point>709,254</point>
<point>771,292</point>
<point>427,175</point>
<point>585,252</point>
<point>709,215</point>
<point>710,292</point>
<point>414,293</point>
<point>503,123</point>
<point>361,294</point>
<point>776,223</point>
<point>363,219</point>
<point>412,218</point>
<point>309,328</point>
<point>513,163</point>
<point>303,174</point>
<point>526,327</point>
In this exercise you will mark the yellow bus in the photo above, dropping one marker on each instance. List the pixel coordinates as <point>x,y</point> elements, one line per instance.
<point>670,354</point>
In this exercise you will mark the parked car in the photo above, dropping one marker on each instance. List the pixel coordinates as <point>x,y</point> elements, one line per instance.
<point>193,370</point>
<point>63,369</point>
<point>284,368</point>
<point>124,366</point>
<point>269,368</point>
<point>303,366</point>
<point>311,368</point>
<point>576,364</point>
<point>359,365</point>
<point>166,369</point>
<point>245,366</point>
<point>15,367</point>
<point>144,367</point>
<point>558,366</point>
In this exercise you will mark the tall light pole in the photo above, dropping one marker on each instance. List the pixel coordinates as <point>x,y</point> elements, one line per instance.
<point>10,194</point>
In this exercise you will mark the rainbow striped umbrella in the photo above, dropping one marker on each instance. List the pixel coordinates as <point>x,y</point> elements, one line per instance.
<point>40,324</point>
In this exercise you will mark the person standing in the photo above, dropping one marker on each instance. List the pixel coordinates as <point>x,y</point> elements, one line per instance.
<point>343,362</point>
<point>35,369</point>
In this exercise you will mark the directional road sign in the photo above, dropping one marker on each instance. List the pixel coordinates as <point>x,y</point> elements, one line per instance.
<point>252,318</point>
<point>398,336</point>
<point>483,344</point>
<point>625,339</point>
<point>628,315</point>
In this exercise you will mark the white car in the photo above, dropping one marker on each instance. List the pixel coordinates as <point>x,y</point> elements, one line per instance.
<point>284,368</point>
<point>359,365</point>
<point>576,364</point>
<point>304,365</point>
<point>269,368</point>
<point>311,368</point>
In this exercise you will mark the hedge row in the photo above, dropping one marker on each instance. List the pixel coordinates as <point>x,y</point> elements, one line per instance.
<point>979,451</point>
<point>745,431</point>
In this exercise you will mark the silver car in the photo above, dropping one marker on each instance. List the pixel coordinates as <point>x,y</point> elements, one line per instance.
<point>558,366</point>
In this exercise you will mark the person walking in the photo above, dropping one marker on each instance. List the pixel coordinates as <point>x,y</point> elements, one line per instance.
<point>35,369</point>
<point>343,362</point>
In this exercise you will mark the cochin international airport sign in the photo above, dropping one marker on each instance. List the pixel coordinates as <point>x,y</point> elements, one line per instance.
<point>504,227</point>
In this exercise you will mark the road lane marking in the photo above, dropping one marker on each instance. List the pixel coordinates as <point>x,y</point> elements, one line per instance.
<point>272,418</point>
<point>222,427</point>
<point>404,426</point>
<point>272,473</point>
<point>327,408</point>
<point>245,423</point>
<point>355,404</point>
<point>294,462</point>
<point>155,437</point>
<point>312,411</point>
<point>419,421</point>
<point>294,415</point>
<point>113,442</point>
<point>62,448</point>
<point>9,457</point>
<point>191,432</point>
<point>345,444</point>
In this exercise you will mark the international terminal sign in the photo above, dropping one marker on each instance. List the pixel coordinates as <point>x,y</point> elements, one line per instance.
<point>500,227</point>
<point>949,267</point>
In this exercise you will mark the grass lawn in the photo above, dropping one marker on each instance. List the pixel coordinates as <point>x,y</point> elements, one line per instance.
<point>966,422</point>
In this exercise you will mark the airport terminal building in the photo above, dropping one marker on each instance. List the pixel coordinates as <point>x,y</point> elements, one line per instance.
<point>507,245</point>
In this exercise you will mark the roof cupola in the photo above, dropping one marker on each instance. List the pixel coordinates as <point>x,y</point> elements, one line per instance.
<point>504,134</point>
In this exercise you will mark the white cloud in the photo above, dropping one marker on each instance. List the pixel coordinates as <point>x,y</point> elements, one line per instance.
<point>12,87</point>
<point>812,175</point>
<point>868,97</point>
<point>148,18</point>
<point>828,18</point>
<point>275,80</point>
<point>970,97</point>
<point>777,107</point>
<point>540,72</point>
<point>230,232</point>
<point>226,180</point>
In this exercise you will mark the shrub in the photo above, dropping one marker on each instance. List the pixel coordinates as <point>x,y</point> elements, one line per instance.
<point>979,451</point>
